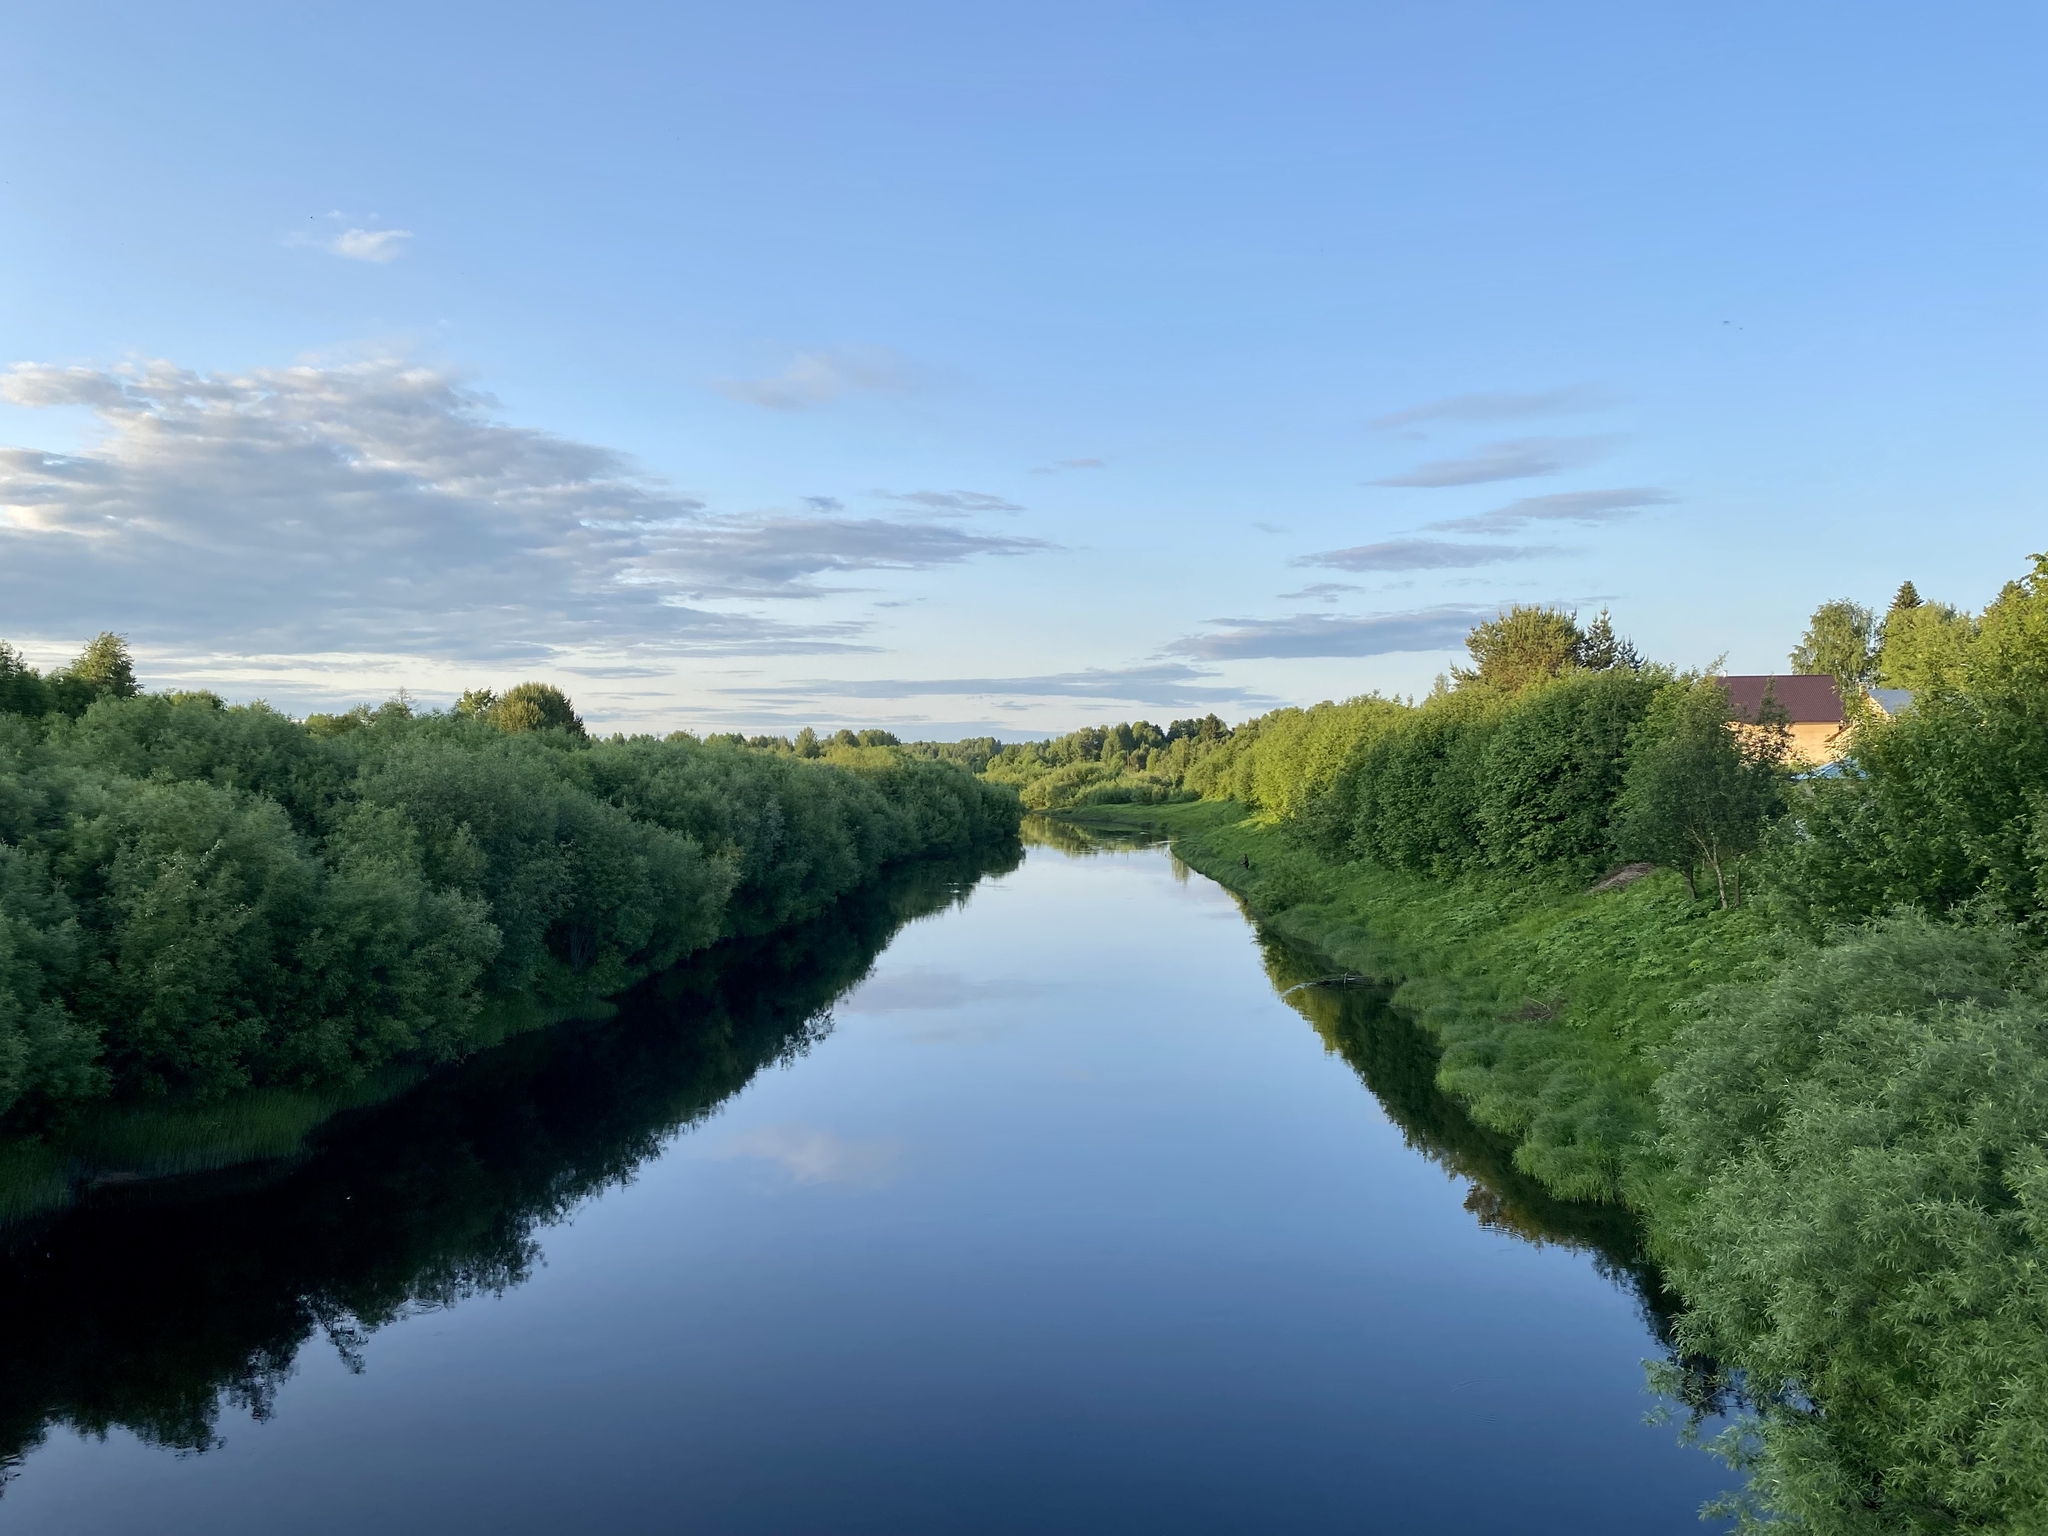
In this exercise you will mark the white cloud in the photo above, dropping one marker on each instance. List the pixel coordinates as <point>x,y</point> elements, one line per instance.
<point>778,556</point>
<point>1169,684</point>
<point>1420,555</point>
<point>1060,466</point>
<point>1516,459</point>
<point>930,989</point>
<point>378,245</point>
<point>1495,406</point>
<point>818,378</point>
<point>1565,507</point>
<point>959,502</point>
<point>378,506</point>
<point>810,1155</point>
<point>1317,634</point>
<point>1322,591</point>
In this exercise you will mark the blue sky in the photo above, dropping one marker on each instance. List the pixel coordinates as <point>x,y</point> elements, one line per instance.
<point>966,368</point>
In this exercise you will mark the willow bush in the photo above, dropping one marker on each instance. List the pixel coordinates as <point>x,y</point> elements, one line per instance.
<point>196,899</point>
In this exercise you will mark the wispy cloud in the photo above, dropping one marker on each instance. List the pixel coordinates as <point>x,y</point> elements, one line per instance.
<point>780,556</point>
<point>818,378</point>
<point>1565,507</point>
<point>1420,555</point>
<point>1495,406</point>
<point>378,245</point>
<point>378,506</point>
<point>811,1155</point>
<point>1317,634</point>
<point>1061,466</point>
<point>959,502</point>
<point>1514,459</point>
<point>1171,684</point>
<point>1322,591</point>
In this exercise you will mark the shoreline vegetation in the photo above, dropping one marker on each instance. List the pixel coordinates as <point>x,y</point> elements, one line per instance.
<point>220,926</point>
<point>1797,1022</point>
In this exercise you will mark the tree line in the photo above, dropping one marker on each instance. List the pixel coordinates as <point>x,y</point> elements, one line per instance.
<point>197,898</point>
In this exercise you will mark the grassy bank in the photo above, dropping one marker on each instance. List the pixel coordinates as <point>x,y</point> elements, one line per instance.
<point>1551,1001</point>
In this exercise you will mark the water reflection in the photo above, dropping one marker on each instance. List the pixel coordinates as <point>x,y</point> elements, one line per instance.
<point>1397,1060</point>
<point>1034,1212</point>
<point>155,1308</point>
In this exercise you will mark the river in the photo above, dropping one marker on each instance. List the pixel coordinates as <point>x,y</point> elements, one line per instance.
<point>1011,1201</point>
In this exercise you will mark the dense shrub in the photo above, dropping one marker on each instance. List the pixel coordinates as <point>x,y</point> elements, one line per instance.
<point>1858,1226</point>
<point>1946,806</point>
<point>196,899</point>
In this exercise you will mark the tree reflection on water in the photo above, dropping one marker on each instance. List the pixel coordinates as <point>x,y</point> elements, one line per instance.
<point>153,1308</point>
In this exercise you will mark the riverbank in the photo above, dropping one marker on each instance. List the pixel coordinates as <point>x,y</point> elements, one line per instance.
<point>263,1132</point>
<point>1552,1001</point>
<point>121,1144</point>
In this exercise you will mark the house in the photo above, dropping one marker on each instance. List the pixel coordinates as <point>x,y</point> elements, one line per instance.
<point>1812,705</point>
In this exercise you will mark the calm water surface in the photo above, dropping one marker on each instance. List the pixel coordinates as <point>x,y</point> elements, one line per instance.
<point>1060,1218</point>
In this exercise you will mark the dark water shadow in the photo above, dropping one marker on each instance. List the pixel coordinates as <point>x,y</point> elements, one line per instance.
<point>154,1308</point>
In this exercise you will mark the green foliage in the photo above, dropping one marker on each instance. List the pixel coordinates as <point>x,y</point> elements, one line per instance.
<point>1600,649</point>
<point>1517,770</point>
<point>22,689</point>
<point>1924,646</point>
<point>1698,790</point>
<point>535,707</point>
<point>1552,766</point>
<point>1861,1143</point>
<point>1947,805</point>
<point>1131,763</point>
<point>1839,642</point>
<point>104,669</point>
<point>196,900</point>
<point>1523,647</point>
<point>1415,791</point>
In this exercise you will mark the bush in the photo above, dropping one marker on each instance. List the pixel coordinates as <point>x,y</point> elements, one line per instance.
<point>196,899</point>
<point>1859,1142</point>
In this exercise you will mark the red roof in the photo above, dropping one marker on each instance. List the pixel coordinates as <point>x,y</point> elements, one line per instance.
<point>1807,700</point>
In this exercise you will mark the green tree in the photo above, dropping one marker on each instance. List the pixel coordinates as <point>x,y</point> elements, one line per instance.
<point>1600,649</point>
<point>106,667</point>
<point>1699,790</point>
<point>536,707</point>
<point>1840,643</point>
<point>1523,646</point>
<point>22,689</point>
<point>1923,645</point>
